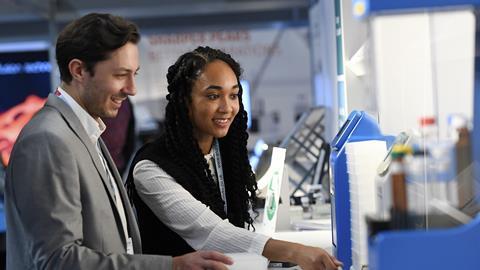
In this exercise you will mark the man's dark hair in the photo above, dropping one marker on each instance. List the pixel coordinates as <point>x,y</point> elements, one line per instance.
<point>180,143</point>
<point>91,39</point>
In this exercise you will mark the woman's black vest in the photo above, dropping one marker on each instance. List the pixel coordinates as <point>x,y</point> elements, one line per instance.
<point>156,237</point>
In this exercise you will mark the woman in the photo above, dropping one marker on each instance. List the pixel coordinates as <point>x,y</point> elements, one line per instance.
<point>186,184</point>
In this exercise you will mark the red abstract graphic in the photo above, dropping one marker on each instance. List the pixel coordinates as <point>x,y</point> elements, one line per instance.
<point>12,122</point>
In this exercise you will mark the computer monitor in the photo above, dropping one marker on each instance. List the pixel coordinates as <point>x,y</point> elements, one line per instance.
<point>260,158</point>
<point>246,100</point>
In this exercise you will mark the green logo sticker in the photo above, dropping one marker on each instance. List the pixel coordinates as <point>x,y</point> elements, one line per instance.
<point>271,204</point>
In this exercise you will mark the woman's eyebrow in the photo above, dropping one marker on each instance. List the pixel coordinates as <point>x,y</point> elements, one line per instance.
<point>216,87</point>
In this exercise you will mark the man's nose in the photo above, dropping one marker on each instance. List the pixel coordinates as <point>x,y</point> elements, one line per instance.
<point>131,88</point>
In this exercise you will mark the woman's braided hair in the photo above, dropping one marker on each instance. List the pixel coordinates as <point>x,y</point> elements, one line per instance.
<point>183,148</point>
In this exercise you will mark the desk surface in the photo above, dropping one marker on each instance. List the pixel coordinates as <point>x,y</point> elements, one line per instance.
<point>317,238</point>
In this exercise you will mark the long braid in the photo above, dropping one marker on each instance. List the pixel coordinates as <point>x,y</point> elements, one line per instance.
<point>185,151</point>
<point>181,144</point>
<point>244,185</point>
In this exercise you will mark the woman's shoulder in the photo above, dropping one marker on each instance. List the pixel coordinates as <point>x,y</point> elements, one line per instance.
<point>152,151</point>
<point>149,166</point>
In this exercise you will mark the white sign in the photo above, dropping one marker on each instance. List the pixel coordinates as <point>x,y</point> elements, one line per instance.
<point>276,216</point>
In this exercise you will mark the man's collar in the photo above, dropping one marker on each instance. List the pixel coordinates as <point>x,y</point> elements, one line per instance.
<point>93,127</point>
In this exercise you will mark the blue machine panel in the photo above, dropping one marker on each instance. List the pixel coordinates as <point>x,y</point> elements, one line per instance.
<point>358,127</point>
<point>440,249</point>
<point>476,121</point>
<point>362,8</point>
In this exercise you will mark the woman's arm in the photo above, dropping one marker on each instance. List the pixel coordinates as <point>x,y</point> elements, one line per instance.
<point>203,229</point>
<point>309,258</point>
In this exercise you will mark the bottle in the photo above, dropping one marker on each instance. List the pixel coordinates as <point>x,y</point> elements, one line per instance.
<point>442,172</point>
<point>428,131</point>
<point>383,189</point>
<point>463,187</point>
<point>416,188</point>
<point>465,182</point>
<point>399,210</point>
<point>428,127</point>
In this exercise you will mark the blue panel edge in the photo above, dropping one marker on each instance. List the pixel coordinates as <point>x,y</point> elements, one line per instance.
<point>363,8</point>
<point>426,249</point>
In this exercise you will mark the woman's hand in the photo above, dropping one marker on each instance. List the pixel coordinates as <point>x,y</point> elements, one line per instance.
<point>313,258</point>
<point>307,257</point>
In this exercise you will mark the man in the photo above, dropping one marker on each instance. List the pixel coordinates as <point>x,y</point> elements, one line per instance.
<point>66,207</point>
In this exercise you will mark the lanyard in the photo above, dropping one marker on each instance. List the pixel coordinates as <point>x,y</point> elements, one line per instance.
<point>219,169</point>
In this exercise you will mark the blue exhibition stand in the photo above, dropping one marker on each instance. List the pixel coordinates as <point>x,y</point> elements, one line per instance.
<point>439,249</point>
<point>365,8</point>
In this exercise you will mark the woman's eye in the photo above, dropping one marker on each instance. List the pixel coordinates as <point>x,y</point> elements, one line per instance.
<point>212,96</point>
<point>234,96</point>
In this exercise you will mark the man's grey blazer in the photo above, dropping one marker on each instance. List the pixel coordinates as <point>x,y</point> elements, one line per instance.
<point>59,202</point>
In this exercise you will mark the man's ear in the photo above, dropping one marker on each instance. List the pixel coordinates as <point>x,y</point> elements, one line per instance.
<point>77,69</point>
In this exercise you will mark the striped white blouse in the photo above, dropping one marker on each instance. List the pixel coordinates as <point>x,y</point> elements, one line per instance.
<point>200,227</point>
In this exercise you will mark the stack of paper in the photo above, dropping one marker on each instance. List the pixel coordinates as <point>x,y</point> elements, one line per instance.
<point>243,261</point>
<point>362,162</point>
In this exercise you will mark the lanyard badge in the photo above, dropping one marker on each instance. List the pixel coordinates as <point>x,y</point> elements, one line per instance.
<point>219,168</point>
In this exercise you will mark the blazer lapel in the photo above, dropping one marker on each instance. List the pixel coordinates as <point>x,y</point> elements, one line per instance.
<point>133,230</point>
<point>77,127</point>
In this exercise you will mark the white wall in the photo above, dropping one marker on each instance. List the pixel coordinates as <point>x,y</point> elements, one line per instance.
<point>276,62</point>
<point>359,93</point>
<point>424,66</point>
<point>324,66</point>
<point>338,85</point>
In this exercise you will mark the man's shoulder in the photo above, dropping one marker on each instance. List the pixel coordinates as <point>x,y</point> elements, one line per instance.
<point>49,122</point>
<point>47,113</point>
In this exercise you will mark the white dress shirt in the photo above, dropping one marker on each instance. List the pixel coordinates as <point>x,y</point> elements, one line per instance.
<point>199,226</point>
<point>95,128</point>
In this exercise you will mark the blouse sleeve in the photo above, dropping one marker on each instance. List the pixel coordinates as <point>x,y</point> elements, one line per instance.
<point>200,227</point>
